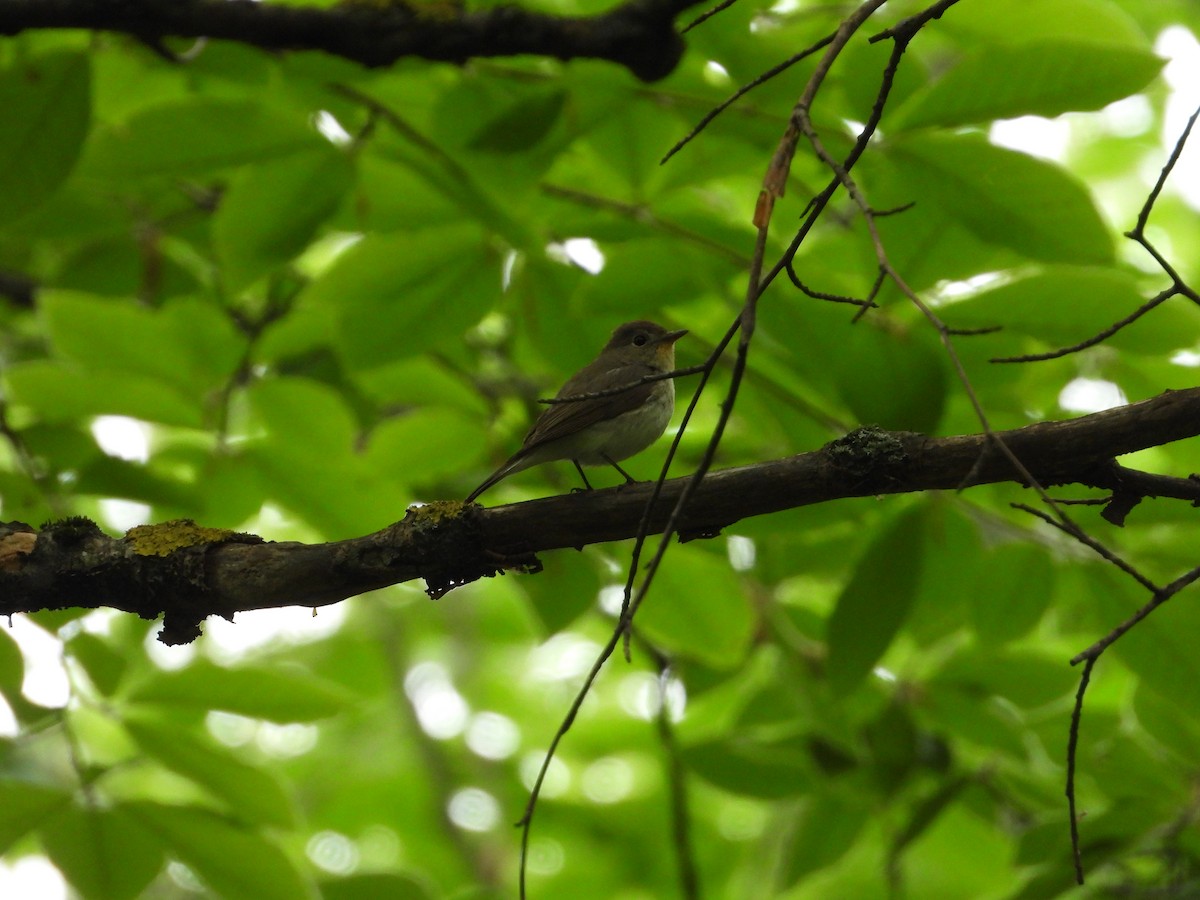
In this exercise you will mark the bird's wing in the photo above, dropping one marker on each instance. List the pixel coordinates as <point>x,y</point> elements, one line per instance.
<point>563,419</point>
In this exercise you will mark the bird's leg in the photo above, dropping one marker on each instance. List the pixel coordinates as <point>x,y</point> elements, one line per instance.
<point>629,479</point>
<point>587,485</point>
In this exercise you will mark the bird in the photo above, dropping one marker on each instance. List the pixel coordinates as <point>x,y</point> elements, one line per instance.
<point>593,431</point>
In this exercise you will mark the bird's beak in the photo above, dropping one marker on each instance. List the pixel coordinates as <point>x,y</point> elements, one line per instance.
<point>672,336</point>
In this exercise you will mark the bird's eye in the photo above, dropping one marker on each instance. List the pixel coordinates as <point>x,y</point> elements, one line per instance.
<point>640,340</point>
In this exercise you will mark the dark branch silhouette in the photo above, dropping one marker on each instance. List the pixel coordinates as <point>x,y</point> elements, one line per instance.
<point>74,564</point>
<point>639,34</point>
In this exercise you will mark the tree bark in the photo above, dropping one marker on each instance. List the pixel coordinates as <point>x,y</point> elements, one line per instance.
<point>638,34</point>
<point>188,573</point>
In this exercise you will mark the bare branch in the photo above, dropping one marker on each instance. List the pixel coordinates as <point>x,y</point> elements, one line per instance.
<point>645,379</point>
<point>1144,216</point>
<point>1092,543</point>
<point>447,544</point>
<point>1094,339</point>
<point>1072,748</point>
<point>741,92</point>
<point>1161,596</point>
<point>638,34</point>
<point>867,303</point>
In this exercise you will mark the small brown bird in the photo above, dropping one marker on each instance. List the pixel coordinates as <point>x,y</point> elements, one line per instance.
<point>611,428</point>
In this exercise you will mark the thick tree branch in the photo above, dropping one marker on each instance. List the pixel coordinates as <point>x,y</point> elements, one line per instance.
<point>638,34</point>
<point>152,572</point>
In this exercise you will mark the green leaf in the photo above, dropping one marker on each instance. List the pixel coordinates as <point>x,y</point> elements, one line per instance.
<point>12,667</point>
<point>482,193</point>
<point>1160,717</point>
<point>425,444</point>
<point>697,608</point>
<point>894,744</point>
<point>187,343</point>
<point>522,125</point>
<point>637,269</point>
<point>752,767</point>
<point>953,544</point>
<point>101,851</point>
<point>1004,197</point>
<point>399,295</point>
<point>117,267</point>
<point>232,491</point>
<point>973,718</point>
<point>107,476</point>
<point>107,334</point>
<point>1012,588</point>
<point>1103,23</point>
<point>306,417</point>
<point>307,461</point>
<point>565,589</point>
<point>373,885</point>
<point>390,196</point>
<point>827,826</point>
<point>1159,649</point>
<point>104,665</point>
<point>960,850</point>
<point>271,211</point>
<point>251,793</point>
<point>1055,76</point>
<point>877,600</point>
<point>1046,305</point>
<point>909,362</point>
<point>424,381</point>
<point>628,141</point>
<point>57,393</point>
<point>195,136</point>
<point>278,694</point>
<point>1024,677</point>
<point>26,806</point>
<point>233,861</point>
<point>927,243</point>
<point>47,113</point>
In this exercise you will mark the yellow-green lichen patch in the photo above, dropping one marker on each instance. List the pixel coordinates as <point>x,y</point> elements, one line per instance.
<point>165,538</point>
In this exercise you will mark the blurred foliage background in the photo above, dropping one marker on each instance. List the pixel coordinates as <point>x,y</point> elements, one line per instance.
<point>288,295</point>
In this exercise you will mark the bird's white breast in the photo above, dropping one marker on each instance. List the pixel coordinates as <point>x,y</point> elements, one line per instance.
<point>629,433</point>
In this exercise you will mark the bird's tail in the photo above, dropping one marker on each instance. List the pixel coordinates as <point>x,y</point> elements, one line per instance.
<point>514,464</point>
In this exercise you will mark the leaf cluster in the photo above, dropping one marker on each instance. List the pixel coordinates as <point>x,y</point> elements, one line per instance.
<point>317,294</point>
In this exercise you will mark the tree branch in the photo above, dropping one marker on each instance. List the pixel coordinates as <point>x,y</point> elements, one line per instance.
<point>637,34</point>
<point>188,573</point>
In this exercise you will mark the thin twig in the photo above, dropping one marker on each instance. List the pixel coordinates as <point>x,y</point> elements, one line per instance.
<point>756,285</point>
<point>867,303</point>
<point>974,332</point>
<point>706,15</point>
<point>745,324</point>
<point>30,465</point>
<point>438,777</point>
<point>606,652</point>
<point>689,879</point>
<point>643,214</point>
<point>1161,596</point>
<point>1072,747</point>
<point>1089,541</point>
<point>743,91</point>
<point>643,530</point>
<point>1144,215</point>
<point>645,379</point>
<point>1094,339</point>
<point>915,23</point>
